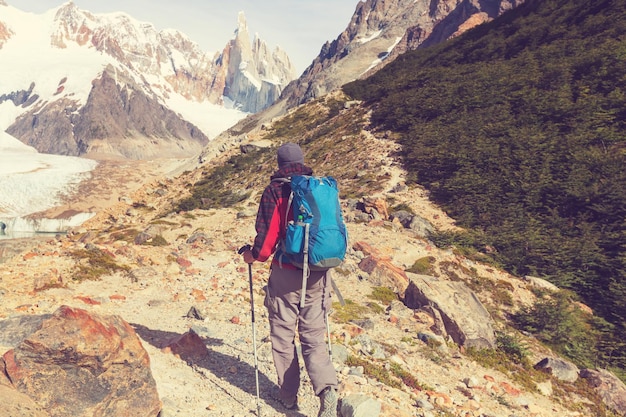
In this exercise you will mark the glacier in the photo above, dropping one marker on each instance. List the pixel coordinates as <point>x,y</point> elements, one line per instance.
<point>31,182</point>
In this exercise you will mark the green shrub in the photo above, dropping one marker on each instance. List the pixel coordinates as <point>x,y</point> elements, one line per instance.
<point>376,308</point>
<point>213,190</point>
<point>560,324</point>
<point>374,371</point>
<point>384,295</point>
<point>94,263</point>
<point>423,266</point>
<point>406,377</point>
<point>513,348</point>
<point>125,235</point>
<point>348,312</point>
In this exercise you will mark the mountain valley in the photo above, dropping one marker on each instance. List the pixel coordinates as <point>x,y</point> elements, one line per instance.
<point>430,326</point>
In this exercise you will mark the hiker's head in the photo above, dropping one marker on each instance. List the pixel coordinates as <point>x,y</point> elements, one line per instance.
<point>289,153</point>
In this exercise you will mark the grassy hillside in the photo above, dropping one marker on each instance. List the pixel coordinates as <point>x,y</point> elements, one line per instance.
<point>518,129</point>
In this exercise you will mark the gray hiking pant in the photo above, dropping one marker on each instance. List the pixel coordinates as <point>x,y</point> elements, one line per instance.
<point>282,300</point>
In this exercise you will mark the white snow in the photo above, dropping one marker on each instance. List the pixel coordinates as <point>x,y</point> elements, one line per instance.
<point>371,37</point>
<point>379,60</point>
<point>31,182</point>
<point>27,57</point>
<point>243,68</point>
<point>210,118</point>
<point>73,68</point>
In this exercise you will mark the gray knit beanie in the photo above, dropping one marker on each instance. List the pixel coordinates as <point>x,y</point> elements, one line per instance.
<point>289,153</point>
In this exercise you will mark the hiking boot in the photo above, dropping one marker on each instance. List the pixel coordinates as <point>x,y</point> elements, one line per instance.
<point>290,402</point>
<point>328,403</point>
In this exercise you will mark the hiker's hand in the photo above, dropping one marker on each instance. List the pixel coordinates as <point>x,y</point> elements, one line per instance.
<point>248,257</point>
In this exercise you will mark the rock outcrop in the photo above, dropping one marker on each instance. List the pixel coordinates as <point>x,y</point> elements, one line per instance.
<point>118,118</point>
<point>187,69</point>
<point>254,76</point>
<point>458,311</point>
<point>559,368</point>
<point>611,389</point>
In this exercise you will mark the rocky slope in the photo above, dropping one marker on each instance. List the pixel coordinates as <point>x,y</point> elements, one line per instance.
<point>177,272</point>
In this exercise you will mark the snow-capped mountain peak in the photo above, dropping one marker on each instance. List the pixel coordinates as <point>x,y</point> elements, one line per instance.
<point>145,82</point>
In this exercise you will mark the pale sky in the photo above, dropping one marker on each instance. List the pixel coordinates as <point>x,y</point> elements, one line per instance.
<point>300,27</point>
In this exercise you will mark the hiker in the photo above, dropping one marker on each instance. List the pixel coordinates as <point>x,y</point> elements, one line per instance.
<point>282,297</point>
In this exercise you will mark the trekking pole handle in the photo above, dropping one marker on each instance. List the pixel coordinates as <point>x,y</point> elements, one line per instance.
<point>243,249</point>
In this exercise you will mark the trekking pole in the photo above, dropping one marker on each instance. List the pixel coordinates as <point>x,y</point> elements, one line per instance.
<point>330,346</point>
<point>342,302</point>
<point>256,365</point>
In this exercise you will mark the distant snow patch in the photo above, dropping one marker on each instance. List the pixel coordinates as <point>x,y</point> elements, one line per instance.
<point>212,119</point>
<point>371,37</point>
<point>383,57</point>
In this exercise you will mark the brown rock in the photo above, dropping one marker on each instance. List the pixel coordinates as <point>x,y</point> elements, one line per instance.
<point>189,346</point>
<point>377,204</point>
<point>16,404</point>
<point>198,295</point>
<point>184,263</point>
<point>101,355</point>
<point>385,274</point>
<point>509,389</point>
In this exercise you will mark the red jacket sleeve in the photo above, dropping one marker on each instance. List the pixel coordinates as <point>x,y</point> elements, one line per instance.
<point>270,222</point>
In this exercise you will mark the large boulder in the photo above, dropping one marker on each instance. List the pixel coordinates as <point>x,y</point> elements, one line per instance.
<point>559,368</point>
<point>76,363</point>
<point>462,315</point>
<point>609,387</point>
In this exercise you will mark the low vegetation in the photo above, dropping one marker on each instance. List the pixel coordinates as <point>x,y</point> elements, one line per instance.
<point>392,375</point>
<point>424,266</point>
<point>383,295</point>
<point>223,185</point>
<point>351,311</point>
<point>557,321</point>
<point>91,264</point>
<point>326,131</point>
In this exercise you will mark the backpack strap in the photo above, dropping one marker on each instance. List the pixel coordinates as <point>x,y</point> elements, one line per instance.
<point>286,181</point>
<point>336,289</point>
<point>305,264</point>
<point>283,181</point>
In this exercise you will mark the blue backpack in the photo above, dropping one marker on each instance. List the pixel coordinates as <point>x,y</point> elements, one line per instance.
<point>317,237</point>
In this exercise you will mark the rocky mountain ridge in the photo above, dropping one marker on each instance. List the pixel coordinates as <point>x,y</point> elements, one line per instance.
<point>177,279</point>
<point>379,31</point>
<point>161,72</point>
